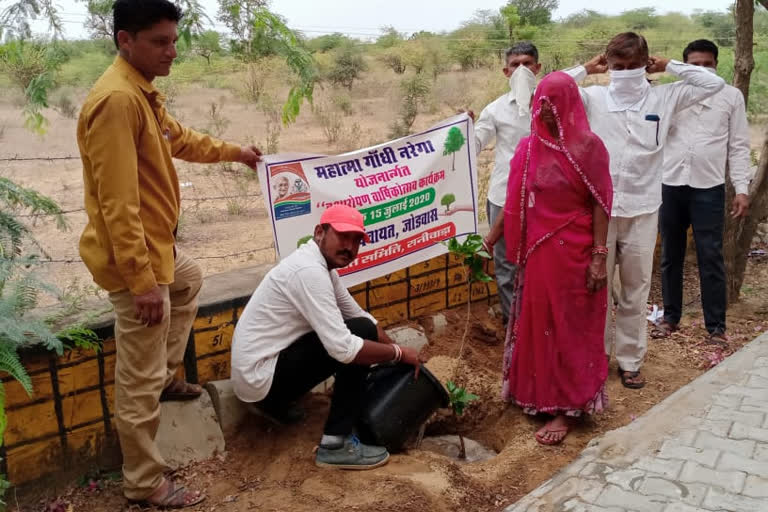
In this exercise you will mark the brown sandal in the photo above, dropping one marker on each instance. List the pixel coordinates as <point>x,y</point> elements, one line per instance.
<point>663,329</point>
<point>175,498</point>
<point>631,380</point>
<point>718,338</point>
<point>180,390</point>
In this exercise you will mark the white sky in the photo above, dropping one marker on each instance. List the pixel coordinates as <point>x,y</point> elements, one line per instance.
<point>361,18</point>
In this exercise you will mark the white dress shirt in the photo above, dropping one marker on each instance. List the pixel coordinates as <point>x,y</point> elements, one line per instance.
<point>635,139</point>
<point>297,296</point>
<point>501,119</point>
<point>706,136</point>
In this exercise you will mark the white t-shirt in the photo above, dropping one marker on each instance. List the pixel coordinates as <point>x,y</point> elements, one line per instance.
<point>298,296</point>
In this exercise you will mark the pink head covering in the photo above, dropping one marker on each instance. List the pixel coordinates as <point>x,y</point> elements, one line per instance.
<point>576,160</point>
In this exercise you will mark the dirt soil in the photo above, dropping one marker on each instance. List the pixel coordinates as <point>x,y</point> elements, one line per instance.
<point>269,469</point>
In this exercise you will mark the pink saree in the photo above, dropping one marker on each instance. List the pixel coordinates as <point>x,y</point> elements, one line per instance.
<point>554,356</point>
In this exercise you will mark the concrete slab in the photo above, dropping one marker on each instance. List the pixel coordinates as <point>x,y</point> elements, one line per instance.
<point>189,431</point>
<point>411,337</point>
<point>230,410</point>
<point>694,451</point>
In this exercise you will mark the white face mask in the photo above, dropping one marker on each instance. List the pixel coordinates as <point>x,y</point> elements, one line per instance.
<point>627,87</point>
<point>522,84</point>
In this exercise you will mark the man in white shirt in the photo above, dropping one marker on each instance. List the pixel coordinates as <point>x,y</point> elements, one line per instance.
<point>507,119</point>
<point>302,326</point>
<point>703,139</point>
<point>633,119</point>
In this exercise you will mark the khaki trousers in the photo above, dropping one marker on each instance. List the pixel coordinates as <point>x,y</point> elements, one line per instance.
<point>631,242</point>
<point>147,359</point>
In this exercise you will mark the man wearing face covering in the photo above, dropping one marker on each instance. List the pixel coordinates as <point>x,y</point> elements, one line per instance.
<point>508,119</point>
<point>633,120</point>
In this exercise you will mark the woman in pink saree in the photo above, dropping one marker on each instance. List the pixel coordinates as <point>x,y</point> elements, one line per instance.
<point>555,225</point>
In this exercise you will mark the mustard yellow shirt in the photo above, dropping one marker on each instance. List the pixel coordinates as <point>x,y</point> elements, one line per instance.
<point>127,141</point>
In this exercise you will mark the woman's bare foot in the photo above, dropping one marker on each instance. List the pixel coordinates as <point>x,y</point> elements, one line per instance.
<point>554,431</point>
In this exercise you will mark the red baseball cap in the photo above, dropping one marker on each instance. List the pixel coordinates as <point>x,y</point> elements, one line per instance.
<point>344,219</point>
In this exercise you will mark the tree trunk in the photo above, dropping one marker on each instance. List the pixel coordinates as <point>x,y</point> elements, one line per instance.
<point>744,62</point>
<point>739,232</point>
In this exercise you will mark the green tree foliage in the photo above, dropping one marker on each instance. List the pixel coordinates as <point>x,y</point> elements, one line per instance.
<point>640,19</point>
<point>328,42</point>
<point>31,66</point>
<point>99,21</point>
<point>16,17</point>
<point>721,25</point>
<point>207,45</point>
<point>389,37</point>
<point>511,18</point>
<point>453,143</point>
<point>348,65</point>
<point>20,290</point>
<point>414,90</point>
<point>534,12</point>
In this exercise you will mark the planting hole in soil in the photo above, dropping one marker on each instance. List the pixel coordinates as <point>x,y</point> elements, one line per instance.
<point>449,446</point>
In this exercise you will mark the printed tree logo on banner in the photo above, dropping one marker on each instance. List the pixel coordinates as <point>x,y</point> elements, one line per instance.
<point>453,143</point>
<point>447,200</point>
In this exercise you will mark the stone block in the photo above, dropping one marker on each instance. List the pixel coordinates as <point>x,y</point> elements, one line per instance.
<point>614,496</point>
<point>628,479</point>
<point>744,391</point>
<point>439,324</point>
<point>682,507</point>
<point>409,337</point>
<point>757,381</point>
<point>667,468</point>
<point>705,440</point>
<point>761,452</point>
<point>741,431</point>
<point>189,431</point>
<point>729,401</point>
<point>719,427</point>
<point>719,500</point>
<point>689,493</point>
<point>754,419</point>
<point>575,505</point>
<point>230,410</point>
<point>733,462</point>
<point>756,487</point>
<point>674,450</point>
<point>732,481</point>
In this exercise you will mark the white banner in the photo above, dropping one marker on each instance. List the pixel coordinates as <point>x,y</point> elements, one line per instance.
<point>413,193</point>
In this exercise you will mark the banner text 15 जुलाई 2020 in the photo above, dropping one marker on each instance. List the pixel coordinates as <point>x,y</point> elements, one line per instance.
<point>413,193</point>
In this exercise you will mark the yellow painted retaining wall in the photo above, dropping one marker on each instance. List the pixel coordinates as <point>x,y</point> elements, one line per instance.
<point>67,425</point>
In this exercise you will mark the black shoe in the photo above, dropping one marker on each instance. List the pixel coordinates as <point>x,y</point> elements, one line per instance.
<point>290,415</point>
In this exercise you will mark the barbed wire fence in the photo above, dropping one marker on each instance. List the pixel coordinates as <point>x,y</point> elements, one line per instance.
<point>193,199</point>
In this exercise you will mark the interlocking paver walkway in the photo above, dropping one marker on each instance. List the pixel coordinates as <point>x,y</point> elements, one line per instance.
<point>704,448</point>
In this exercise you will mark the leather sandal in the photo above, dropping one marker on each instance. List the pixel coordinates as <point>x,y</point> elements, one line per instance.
<point>627,377</point>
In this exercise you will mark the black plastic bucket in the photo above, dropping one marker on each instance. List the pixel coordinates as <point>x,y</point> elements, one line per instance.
<point>397,405</point>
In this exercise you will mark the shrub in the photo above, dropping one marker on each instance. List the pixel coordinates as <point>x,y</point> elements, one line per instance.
<point>348,65</point>
<point>414,92</point>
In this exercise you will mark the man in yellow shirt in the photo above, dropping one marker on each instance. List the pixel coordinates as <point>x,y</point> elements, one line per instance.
<point>127,142</point>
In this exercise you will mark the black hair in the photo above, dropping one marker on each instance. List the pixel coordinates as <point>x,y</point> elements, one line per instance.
<point>523,48</point>
<point>627,45</point>
<point>700,45</point>
<point>136,15</point>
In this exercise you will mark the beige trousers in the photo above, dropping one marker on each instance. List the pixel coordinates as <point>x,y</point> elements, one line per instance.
<point>147,359</point>
<point>631,242</point>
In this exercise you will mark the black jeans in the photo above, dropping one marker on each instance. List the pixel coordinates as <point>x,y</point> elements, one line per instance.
<point>704,209</point>
<point>305,364</point>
